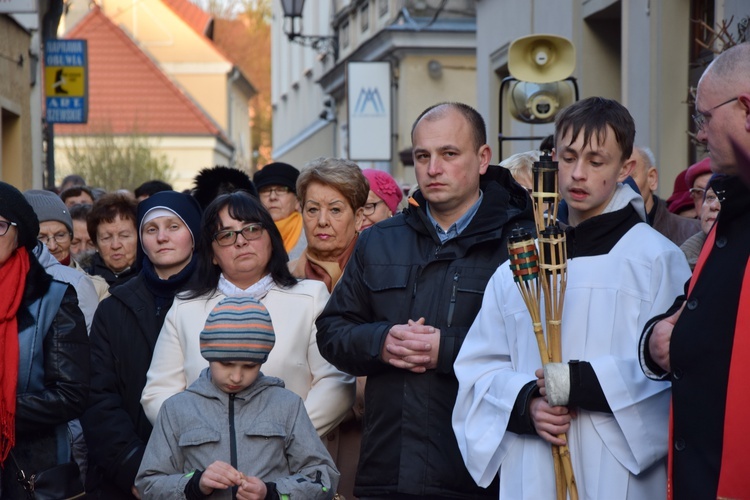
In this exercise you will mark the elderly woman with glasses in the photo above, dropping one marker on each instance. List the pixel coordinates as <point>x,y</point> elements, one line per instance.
<point>241,253</point>
<point>697,177</point>
<point>332,193</point>
<point>709,211</point>
<point>55,239</point>
<point>277,189</point>
<point>383,199</point>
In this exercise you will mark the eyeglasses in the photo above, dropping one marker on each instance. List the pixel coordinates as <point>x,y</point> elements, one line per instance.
<point>369,208</point>
<point>277,190</point>
<point>697,193</point>
<point>5,225</point>
<point>229,237</point>
<point>711,198</point>
<point>700,117</point>
<point>60,237</point>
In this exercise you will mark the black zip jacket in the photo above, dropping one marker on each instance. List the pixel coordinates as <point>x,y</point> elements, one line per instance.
<point>42,415</point>
<point>701,349</point>
<point>401,271</point>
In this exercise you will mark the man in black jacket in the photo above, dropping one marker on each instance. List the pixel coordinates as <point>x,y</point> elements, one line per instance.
<point>406,300</point>
<point>703,342</point>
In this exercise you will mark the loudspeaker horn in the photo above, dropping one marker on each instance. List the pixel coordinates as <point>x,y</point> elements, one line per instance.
<point>541,58</point>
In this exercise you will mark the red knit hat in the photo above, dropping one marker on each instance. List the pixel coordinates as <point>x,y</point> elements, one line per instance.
<point>680,199</point>
<point>383,185</point>
<point>696,170</point>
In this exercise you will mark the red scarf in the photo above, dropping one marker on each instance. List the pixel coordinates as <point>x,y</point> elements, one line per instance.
<point>13,279</point>
<point>734,480</point>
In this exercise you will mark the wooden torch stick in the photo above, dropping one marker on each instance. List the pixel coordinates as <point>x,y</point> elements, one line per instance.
<point>524,264</point>
<point>553,270</point>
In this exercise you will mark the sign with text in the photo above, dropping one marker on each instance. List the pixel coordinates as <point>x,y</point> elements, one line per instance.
<point>66,81</point>
<point>369,103</point>
<point>17,6</point>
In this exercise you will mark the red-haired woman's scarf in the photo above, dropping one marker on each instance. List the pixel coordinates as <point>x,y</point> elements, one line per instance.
<point>13,280</point>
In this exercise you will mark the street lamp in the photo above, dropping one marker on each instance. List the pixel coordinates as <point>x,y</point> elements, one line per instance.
<point>323,44</point>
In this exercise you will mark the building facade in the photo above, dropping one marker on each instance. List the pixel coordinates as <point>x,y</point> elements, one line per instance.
<point>430,47</point>
<point>643,53</point>
<point>167,44</point>
<point>646,54</point>
<point>24,27</point>
<point>15,104</point>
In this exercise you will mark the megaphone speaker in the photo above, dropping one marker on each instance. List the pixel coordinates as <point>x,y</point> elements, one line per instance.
<point>539,102</point>
<point>541,58</point>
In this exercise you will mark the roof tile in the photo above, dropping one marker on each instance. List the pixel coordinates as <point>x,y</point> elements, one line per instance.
<point>198,19</point>
<point>128,92</point>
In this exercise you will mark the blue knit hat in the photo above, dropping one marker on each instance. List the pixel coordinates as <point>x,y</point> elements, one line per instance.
<point>182,205</point>
<point>238,329</point>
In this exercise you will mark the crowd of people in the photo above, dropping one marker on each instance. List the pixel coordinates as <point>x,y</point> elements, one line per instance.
<point>313,334</point>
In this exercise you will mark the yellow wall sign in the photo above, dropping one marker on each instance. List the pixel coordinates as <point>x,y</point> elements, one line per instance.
<point>62,81</point>
<point>65,81</point>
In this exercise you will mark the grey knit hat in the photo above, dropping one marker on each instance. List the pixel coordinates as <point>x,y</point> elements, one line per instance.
<point>238,329</point>
<point>48,206</point>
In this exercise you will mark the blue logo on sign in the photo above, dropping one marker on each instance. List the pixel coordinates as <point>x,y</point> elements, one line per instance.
<point>369,102</point>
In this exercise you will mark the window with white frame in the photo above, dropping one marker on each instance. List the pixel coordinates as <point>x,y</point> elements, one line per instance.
<point>383,7</point>
<point>364,16</point>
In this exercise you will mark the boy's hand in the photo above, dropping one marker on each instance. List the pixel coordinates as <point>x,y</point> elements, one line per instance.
<point>550,421</point>
<point>539,374</point>
<point>251,488</point>
<point>661,337</point>
<point>219,476</point>
<point>414,346</point>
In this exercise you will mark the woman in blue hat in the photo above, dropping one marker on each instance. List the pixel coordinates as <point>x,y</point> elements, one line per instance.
<point>123,335</point>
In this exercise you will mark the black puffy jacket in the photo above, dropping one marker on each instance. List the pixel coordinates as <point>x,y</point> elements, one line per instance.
<point>123,335</point>
<point>401,271</point>
<point>99,268</point>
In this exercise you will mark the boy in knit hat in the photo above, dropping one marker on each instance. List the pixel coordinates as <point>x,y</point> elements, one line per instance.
<point>235,433</point>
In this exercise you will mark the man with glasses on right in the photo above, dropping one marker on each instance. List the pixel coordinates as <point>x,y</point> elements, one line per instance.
<point>703,342</point>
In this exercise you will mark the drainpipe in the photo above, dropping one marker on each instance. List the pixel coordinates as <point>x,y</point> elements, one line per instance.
<point>50,22</point>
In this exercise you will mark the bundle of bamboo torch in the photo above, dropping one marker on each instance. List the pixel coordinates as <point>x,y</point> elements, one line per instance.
<point>542,274</point>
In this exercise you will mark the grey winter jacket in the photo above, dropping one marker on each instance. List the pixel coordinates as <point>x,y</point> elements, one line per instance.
<point>275,441</point>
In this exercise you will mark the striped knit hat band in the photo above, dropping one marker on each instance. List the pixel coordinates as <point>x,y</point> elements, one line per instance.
<point>238,329</point>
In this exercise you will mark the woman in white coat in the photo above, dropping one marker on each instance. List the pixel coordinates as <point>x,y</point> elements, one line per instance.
<point>242,253</point>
